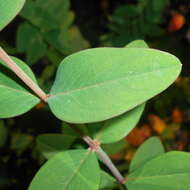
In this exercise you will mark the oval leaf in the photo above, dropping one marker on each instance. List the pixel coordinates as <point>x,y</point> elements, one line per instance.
<point>9,9</point>
<point>15,98</point>
<point>170,171</point>
<point>75,169</point>
<point>101,83</point>
<point>150,149</point>
<point>51,144</point>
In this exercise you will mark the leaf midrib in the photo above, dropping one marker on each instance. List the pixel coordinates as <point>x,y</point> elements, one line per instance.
<point>103,83</point>
<point>156,176</point>
<point>77,169</point>
<point>21,91</point>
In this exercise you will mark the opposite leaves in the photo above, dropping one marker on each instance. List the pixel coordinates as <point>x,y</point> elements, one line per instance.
<point>101,83</point>
<point>170,171</point>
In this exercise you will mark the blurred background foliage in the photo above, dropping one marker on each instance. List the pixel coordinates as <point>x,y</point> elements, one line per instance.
<point>48,30</point>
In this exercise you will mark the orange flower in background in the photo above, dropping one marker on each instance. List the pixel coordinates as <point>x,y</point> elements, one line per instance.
<point>176,22</point>
<point>177,116</point>
<point>158,125</point>
<point>40,105</point>
<point>138,135</point>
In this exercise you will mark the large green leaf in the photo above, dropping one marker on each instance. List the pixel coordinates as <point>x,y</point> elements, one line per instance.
<point>150,149</point>
<point>117,128</point>
<point>75,169</point>
<point>101,83</point>
<point>15,98</point>
<point>51,144</point>
<point>170,171</point>
<point>8,10</point>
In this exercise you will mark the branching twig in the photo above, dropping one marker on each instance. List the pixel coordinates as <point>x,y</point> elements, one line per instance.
<point>22,75</point>
<point>95,146</point>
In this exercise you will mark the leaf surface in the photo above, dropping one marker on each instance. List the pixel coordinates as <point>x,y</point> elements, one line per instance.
<point>170,171</point>
<point>9,9</point>
<point>150,149</point>
<point>101,83</point>
<point>69,170</point>
<point>15,98</point>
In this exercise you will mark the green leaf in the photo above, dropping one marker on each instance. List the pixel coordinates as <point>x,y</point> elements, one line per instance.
<point>15,98</point>
<point>170,171</point>
<point>9,9</point>
<point>51,144</point>
<point>117,128</point>
<point>102,83</point>
<point>150,149</point>
<point>38,16</point>
<point>113,130</point>
<point>107,182</point>
<point>69,170</point>
<point>67,41</point>
<point>30,41</point>
<point>137,43</point>
<point>3,134</point>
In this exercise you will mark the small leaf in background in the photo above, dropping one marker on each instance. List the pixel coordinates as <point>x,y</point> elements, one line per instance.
<point>51,144</point>
<point>157,124</point>
<point>176,23</point>
<point>150,149</point>
<point>101,83</point>
<point>138,135</point>
<point>137,44</point>
<point>168,171</point>
<point>107,182</point>
<point>73,169</point>
<point>30,41</point>
<point>9,10</point>
<point>69,130</point>
<point>20,142</point>
<point>177,115</point>
<point>68,41</point>
<point>15,98</point>
<point>3,134</point>
<point>114,148</point>
<point>115,129</point>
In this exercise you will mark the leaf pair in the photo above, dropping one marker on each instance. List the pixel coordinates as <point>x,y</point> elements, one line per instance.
<point>151,168</point>
<point>96,84</point>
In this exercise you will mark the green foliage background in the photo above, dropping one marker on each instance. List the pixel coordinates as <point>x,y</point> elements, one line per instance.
<point>44,33</point>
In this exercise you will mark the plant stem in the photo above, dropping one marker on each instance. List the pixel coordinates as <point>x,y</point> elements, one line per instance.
<point>95,146</point>
<point>22,75</point>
